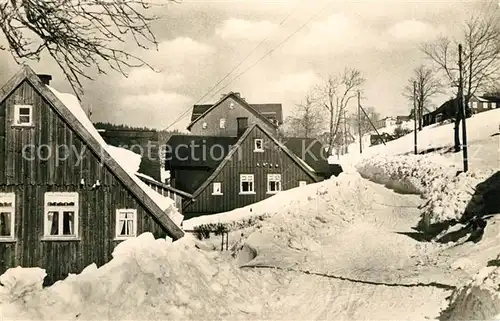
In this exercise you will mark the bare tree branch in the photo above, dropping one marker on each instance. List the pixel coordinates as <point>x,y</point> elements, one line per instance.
<point>307,120</point>
<point>335,95</point>
<point>480,39</point>
<point>78,34</point>
<point>428,85</point>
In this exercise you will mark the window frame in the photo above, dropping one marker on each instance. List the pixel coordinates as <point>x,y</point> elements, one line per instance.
<point>57,196</point>
<point>273,178</point>
<point>222,123</point>
<point>9,197</point>
<point>261,149</point>
<point>214,189</point>
<point>119,211</point>
<point>245,178</point>
<point>17,115</point>
<point>204,125</point>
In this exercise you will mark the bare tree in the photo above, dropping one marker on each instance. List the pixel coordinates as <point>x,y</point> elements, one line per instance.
<point>481,43</point>
<point>307,119</point>
<point>78,34</point>
<point>363,124</point>
<point>428,85</point>
<point>335,95</point>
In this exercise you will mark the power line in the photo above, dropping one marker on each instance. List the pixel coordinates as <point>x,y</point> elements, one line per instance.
<point>234,68</point>
<point>274,49</point>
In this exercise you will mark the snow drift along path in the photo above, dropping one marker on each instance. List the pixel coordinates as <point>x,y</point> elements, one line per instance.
<point>346,257</point>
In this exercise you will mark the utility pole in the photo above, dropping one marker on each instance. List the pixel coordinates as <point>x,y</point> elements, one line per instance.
<point>462,108</point>
<point>345,131</point>
<point>415,114</point>
<point>359,123</point>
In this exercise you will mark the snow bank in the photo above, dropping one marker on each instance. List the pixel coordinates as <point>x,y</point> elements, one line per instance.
<point>432,176</point>
<point>479,299</point>
<point>17,282</point>
<point>128,160</point>
<point>147,279</point>
<point>275,205</point>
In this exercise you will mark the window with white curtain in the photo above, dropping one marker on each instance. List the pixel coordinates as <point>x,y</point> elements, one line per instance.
<point>246,184</point>
<point>7,215</point>
<point>126,223</point>
<point>61,215</point>
<point>273,183</point>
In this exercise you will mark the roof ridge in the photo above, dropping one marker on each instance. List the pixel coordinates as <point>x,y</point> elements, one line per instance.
<point>26,73</point>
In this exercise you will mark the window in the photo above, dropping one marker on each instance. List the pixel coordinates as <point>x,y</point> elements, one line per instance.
<point>231,105</point>
<point>217,188</point>
<point>246,184</point>
<point>222,123</point>
<point>23,115</point>
<point>7,215</point>
<point>273,183</point>
<point>474,105</point>
<point>204,125</point>
<point>61,215</point>
<point>126,223</point>
<point>258,145</point>
<point>302,183</point>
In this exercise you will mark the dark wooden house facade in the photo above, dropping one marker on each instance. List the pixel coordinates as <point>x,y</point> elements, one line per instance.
<point>448,110</point>
<point>62,212</point>
<point>221,118</point>
<point>256,167</point>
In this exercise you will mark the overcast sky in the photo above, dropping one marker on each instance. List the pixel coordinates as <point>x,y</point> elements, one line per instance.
<point>200,41</point>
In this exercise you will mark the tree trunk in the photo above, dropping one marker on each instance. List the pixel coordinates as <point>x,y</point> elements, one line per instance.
<point>330,136</point>
<point>456,132</point>
<point>420,113</point>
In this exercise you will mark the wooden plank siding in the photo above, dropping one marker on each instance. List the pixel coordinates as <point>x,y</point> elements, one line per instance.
<point>246,161</point>
<point>223,110</point>
<point>30,179</point>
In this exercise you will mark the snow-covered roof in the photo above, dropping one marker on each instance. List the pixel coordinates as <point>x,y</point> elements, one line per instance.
<point>70,110</point>
<point>128,160</point>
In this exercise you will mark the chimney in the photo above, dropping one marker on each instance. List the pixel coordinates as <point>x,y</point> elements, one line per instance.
<point>242,125</point>
<point>45,79</point>
<point>238,95</point>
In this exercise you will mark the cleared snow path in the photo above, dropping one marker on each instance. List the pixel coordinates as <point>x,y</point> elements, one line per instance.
<point>359,264</point>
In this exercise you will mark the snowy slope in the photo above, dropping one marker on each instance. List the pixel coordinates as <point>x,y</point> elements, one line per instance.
<point>128,160</point>
<point>480,127</point>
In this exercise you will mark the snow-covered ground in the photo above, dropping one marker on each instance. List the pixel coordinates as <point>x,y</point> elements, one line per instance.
<point>342,249</point>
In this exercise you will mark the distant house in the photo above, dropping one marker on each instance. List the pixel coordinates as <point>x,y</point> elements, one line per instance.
<point>225,173</point>
<point>402,119</point>
<point>223,117</point>
<point>385,122</point>
<point>478,104</point>
<point>65,208</point>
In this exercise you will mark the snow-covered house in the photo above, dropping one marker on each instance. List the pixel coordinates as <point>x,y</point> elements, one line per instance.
<point>386,122</point>
<point>150,167</point>
<point>224,173</point>
<point>66,199</point>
